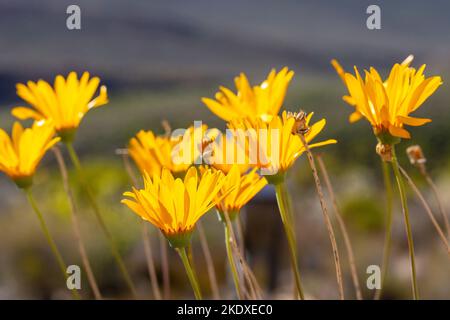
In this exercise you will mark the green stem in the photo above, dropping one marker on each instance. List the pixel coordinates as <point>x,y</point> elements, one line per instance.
<point>114,250</point>
<point>284,206</point>
<point>51,242</point>
<point>190,273</point>
<point>388,234</point>
<point>401,188</point>
<point>234,273</point>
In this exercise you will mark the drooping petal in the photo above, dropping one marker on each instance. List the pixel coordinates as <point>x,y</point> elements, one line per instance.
<point>399,132</point>
<point>410,121</point>
<point>355,116</point>
<point>24,113</point>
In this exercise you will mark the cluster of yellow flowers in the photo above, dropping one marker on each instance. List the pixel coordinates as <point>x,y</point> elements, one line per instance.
<point>58,109</point>
<point>176,195</point>
<point>250,108</point>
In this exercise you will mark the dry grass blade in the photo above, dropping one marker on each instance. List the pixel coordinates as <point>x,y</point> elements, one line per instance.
<point>76,225</point>
<point>209,261</point>
<point>150,262</point>
<point>328,224</point>
<point>145,237</point>
<point>427,209</point>
<point>418,160</point>
<point>254,288</point>
<point>439,201</point>
<point>164,248</point>
<point>342,226</point>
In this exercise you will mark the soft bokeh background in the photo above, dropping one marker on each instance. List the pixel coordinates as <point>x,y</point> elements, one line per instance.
<point>158,58</point>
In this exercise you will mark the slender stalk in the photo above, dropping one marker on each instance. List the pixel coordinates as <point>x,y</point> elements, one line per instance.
<point>328,224</point>
<point>234,273</point>
<point>401,188</point>
<point>145,234</point>
<point>114,250</point>
<point>240,234</point>
<point>240,249</point>
<point>76,224</point>
<point>209,261</point>
<point>388,232</point>
<point>127,165</point>
<point>190,273</point>
<point>427,208</point>
<point>190,254</point>
<point>150,262</point>
<point>342,226</point>
<point>62,265</point>
<point>286,217</point>
<point>163,247</point>
<point>254,291</point>
<point>438,199</point>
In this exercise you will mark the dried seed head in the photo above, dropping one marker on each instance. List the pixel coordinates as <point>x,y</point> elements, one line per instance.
<point>206,141</point>
<point>166,126</point>
<point>384,151</point>
<point>416,156</point>
<point>207,150</point>
<point>300,125</point>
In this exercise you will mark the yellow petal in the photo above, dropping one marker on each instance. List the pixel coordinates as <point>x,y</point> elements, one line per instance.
<point>316,128</point>
<point>218,109</point>
<point>323,143</point>
<point>24,113</point>
<point>16,133</point>
<point>339,70</point>
<point>410,121</point>
<point>25,93</point>
<point>399,132</point>
<point>355,116</point>
<point>101,100</point>
<point>350,100</point>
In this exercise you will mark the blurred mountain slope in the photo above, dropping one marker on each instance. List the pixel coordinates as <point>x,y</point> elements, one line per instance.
<point>162,43</point>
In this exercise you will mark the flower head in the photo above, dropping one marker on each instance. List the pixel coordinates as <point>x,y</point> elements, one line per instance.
<point>175,205</point>
<point>277,142</point>
<point>65,104</point>
<point>224,153</point>
<point>151,153</point>
<point>177,153</point>
<point>387,104</point>
<point>21,154</point>
<point>238,189</point>
<point>258,102</point>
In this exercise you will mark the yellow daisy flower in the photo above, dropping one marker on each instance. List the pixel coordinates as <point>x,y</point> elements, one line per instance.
<point>151,153</point>
<point>20,155</point>
<point>387,104</point>
<point>175,205</point>
<point>277,144</point>
<point>257,102</point>
<point>224,153</point>
<point>65,103</point>
<point>238,189</point>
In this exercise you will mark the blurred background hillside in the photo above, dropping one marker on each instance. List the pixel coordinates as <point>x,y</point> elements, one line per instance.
<point>158,58</point>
